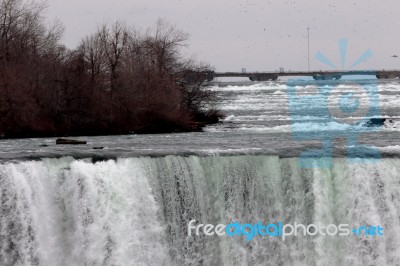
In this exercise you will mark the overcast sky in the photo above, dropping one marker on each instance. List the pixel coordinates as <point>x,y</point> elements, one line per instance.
<point>255,34</point>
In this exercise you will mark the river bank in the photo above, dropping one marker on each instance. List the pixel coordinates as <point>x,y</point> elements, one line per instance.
<point>153,124</point>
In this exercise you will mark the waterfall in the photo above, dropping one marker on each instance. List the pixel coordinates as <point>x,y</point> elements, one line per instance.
<point>135,211</point>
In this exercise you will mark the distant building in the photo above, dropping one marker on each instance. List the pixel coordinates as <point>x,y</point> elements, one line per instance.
<point>281,69</point>
<point>244,70</point>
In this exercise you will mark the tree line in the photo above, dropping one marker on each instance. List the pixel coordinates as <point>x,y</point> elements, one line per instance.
<point>118,80</point>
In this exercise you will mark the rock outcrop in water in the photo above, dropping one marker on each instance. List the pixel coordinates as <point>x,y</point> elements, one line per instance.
<point>383,122</point>
<point>70,142</point>
<point>375,122</point>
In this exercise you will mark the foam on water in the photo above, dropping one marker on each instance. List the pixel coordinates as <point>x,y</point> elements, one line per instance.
<point>135,211</point>
<point>67,212</point>
<point>264,107</point>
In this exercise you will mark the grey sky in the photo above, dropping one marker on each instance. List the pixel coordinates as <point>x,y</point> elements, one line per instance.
<point>258,35</point>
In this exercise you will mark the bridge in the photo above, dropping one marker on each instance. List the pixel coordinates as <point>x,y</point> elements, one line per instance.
<point>317,75</point>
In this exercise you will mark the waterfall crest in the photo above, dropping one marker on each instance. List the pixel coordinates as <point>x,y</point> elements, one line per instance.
<point>135,211</point>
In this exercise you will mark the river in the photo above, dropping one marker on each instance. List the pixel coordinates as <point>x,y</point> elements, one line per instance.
<point>127,200</point>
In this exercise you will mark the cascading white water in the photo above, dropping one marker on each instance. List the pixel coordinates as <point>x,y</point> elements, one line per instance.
<point>66,212</point>
<point>135,211</point>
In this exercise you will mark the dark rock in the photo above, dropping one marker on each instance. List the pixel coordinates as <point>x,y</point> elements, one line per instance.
<point>210,117</point>
<point>70,141</point>
<point>98,148</point>
<point>375,122</point>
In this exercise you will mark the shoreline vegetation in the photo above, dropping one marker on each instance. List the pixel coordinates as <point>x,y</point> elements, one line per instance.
<point>117,81</point>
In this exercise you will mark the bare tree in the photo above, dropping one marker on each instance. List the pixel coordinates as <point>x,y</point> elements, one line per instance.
<point>118,80</point>
<point>94,54</point>
<point>114,40</point>
<point>22,30</point>
<point>164,43</point>
<point>27,50</point>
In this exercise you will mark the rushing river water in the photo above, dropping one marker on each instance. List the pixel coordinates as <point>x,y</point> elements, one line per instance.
<point>258,122</point>
<point>127,200</point>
